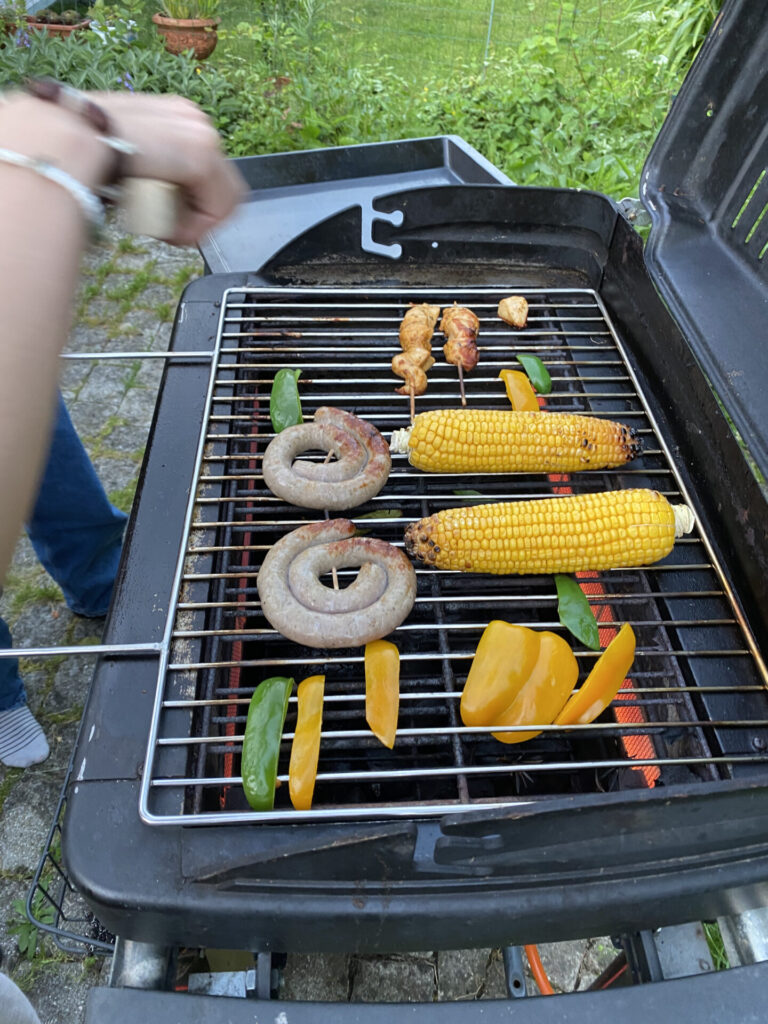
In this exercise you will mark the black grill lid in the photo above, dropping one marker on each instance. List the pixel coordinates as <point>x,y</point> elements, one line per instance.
<point>705,185</point>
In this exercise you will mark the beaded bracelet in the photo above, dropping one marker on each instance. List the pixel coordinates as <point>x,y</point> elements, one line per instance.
<point>91,201</point>
<point>83,106</point>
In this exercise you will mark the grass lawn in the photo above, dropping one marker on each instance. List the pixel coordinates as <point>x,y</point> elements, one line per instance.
<point>441,37</point>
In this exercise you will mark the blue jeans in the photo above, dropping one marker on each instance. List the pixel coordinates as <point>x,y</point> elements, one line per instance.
<point>77,534</point>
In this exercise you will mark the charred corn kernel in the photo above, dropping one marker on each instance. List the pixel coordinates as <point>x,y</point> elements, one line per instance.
<point>603,682</point>
<point>521,395</point>
<point>382,690</point>
<point>305,749</point>
<point>505,441</point>
<point>549,535</point>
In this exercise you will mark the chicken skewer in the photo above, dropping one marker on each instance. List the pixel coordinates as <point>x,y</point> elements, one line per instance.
<point>412,363</point>
<point>460,327</point>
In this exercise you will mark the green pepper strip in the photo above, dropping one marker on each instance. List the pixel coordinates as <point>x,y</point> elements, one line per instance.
<point>537,372</point>
<point>261,743</point>
<point>284,401</point>
<point>575,613</point>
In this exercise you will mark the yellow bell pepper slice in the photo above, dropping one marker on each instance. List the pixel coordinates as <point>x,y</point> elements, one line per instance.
<point>544,693</point>
<point>382,689</point>
<point>519,676</point>
<point>504,660</point>
<point>305,749</point>
<point>603,682</point>
<point>519,391</point>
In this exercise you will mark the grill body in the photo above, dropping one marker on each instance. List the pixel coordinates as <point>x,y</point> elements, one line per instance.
<point>552,866</point>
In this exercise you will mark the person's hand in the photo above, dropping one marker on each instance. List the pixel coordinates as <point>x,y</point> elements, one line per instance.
<point>177,143</point>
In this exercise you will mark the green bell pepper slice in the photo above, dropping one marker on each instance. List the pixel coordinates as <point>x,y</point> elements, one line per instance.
<point>261,743</point>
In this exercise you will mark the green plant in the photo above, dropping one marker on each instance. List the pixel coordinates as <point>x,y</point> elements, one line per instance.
<point>50,17</point>
<point>126,22</point>
<point>575,102</point>
<point>678,29</point>
<point>27,933</point>
<point>189,8</point>
<point>13,12</point>
<point>716,945</point>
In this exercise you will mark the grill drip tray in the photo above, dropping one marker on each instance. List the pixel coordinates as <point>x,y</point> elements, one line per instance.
<point>694,710</point>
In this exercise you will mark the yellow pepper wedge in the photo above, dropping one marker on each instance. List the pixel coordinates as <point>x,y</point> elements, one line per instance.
<point>603,682</point>
<point>518,676</point>
<point>305,749</point>
<point>544,693</point>
<point>504,660</point>
<point>382,690</point>
<point>519,391</point>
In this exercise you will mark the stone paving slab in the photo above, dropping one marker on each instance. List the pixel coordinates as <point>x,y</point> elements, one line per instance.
<point>130,290</point>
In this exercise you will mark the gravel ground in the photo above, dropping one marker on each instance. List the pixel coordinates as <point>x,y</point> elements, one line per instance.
<point>129,293</point>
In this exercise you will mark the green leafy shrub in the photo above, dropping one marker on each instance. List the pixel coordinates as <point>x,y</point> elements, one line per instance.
<point>87,62</point>
<point>27,933</point>
<point>285,79</point>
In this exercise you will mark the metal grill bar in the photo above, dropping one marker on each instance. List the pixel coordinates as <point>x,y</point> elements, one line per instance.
<point>493,769</point>
<point>448,730</point>
<point>453,656</point>
<point>440,694</point>
<point>698,678</point>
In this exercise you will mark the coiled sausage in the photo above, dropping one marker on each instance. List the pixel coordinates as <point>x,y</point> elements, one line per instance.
<point>304,610</point>
<point>360,471</point>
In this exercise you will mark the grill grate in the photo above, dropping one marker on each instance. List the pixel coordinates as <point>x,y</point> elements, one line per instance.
<point>696,707</point>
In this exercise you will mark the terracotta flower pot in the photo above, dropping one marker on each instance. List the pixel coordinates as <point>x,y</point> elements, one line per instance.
<point>57,30</point>
<point>197,34</point>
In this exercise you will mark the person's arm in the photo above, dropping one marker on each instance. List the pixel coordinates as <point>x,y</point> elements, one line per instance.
<point>42,236</point>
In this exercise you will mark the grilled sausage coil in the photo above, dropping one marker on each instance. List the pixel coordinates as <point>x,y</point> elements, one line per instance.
<point>360,471</point>
<point>304,610</point>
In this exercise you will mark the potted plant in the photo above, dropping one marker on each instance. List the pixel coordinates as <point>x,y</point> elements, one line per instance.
<point>11,13</point>
<point>189,25</point>
<point>58,23</point>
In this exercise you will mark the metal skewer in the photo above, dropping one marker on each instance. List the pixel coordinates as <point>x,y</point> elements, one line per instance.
<point>334,576</point>
<point>460,368</point>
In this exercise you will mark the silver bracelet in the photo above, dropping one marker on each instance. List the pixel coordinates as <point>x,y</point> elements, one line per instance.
<point>88,201</point>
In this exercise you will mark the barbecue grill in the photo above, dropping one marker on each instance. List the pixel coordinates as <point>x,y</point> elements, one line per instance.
<point>654,814</point>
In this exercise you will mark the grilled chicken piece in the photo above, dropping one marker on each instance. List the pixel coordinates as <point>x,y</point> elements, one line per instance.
<point>411,364</point>
<point>418,326</point>
<point>514,311</point>
<point>412,370</point>
<point>460,326</point>
<point>417,356</point>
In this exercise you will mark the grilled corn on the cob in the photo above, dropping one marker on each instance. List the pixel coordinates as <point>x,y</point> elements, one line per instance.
<point>505,441</point>
<point>568,534</point>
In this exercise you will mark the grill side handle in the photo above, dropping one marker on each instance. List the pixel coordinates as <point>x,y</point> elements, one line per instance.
<point>612,834</point>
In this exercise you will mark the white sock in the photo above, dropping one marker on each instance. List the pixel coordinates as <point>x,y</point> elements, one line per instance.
<point>22,741</point>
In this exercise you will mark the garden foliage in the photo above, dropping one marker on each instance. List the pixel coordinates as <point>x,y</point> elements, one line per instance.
<point>546,112</point>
